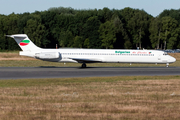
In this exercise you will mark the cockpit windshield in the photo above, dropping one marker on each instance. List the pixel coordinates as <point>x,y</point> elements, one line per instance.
<point>165,53</point>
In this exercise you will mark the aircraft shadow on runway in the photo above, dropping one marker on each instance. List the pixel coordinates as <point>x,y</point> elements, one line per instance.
<point>101,67</point>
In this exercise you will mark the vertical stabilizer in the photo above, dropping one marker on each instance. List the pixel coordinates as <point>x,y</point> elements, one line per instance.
<point>24,42</point>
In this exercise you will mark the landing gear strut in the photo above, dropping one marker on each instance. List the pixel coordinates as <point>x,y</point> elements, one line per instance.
<point>167,64</point>
<point>83,65</point>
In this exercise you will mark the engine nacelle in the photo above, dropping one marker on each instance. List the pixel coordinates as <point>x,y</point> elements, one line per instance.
<point>47,55</point>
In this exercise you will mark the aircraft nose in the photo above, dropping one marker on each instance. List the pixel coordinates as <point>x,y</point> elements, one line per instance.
<point>172,59</point>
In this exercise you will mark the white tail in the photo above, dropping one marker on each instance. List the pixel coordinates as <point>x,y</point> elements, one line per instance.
<point>24,42</point>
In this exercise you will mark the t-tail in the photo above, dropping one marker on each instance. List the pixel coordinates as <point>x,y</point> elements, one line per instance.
<point>24,42</point>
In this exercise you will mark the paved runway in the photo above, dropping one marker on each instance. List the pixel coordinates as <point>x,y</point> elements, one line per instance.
<point>67,72</point>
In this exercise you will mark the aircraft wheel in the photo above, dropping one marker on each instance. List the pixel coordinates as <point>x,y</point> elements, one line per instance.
<point>167,65</point>
<point>84,65</point>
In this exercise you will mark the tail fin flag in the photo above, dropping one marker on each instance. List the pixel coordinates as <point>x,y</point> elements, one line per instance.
<point>24,42</point>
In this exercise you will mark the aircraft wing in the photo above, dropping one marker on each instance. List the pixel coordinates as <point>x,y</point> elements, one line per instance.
<point>86,60</point>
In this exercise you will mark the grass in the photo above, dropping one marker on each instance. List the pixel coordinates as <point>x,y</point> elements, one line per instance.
<point>108,98</point>
<point>37,63</point>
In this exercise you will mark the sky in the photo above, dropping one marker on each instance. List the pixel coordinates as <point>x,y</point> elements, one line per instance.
<point>152,7</point>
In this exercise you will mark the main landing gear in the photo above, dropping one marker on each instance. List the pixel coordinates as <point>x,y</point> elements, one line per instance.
<point>83,65</point>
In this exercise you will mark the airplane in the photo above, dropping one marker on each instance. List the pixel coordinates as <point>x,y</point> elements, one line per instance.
<point>84,56</point>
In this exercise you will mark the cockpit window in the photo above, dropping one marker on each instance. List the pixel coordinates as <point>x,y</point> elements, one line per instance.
<point>165,53</point>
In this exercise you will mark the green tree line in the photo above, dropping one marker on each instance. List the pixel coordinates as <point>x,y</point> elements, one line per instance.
<point>104,28</point>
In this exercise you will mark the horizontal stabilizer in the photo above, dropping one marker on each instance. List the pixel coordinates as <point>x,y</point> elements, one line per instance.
<point>17,36</point>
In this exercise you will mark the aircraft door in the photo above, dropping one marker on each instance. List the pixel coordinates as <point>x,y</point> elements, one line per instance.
<point>159,57</point>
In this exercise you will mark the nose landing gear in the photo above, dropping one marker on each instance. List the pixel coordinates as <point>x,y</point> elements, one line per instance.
<point>167,65</point>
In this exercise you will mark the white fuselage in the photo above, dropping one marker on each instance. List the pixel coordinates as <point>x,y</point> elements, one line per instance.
<point>90,55</point>
<point>101,55</point>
